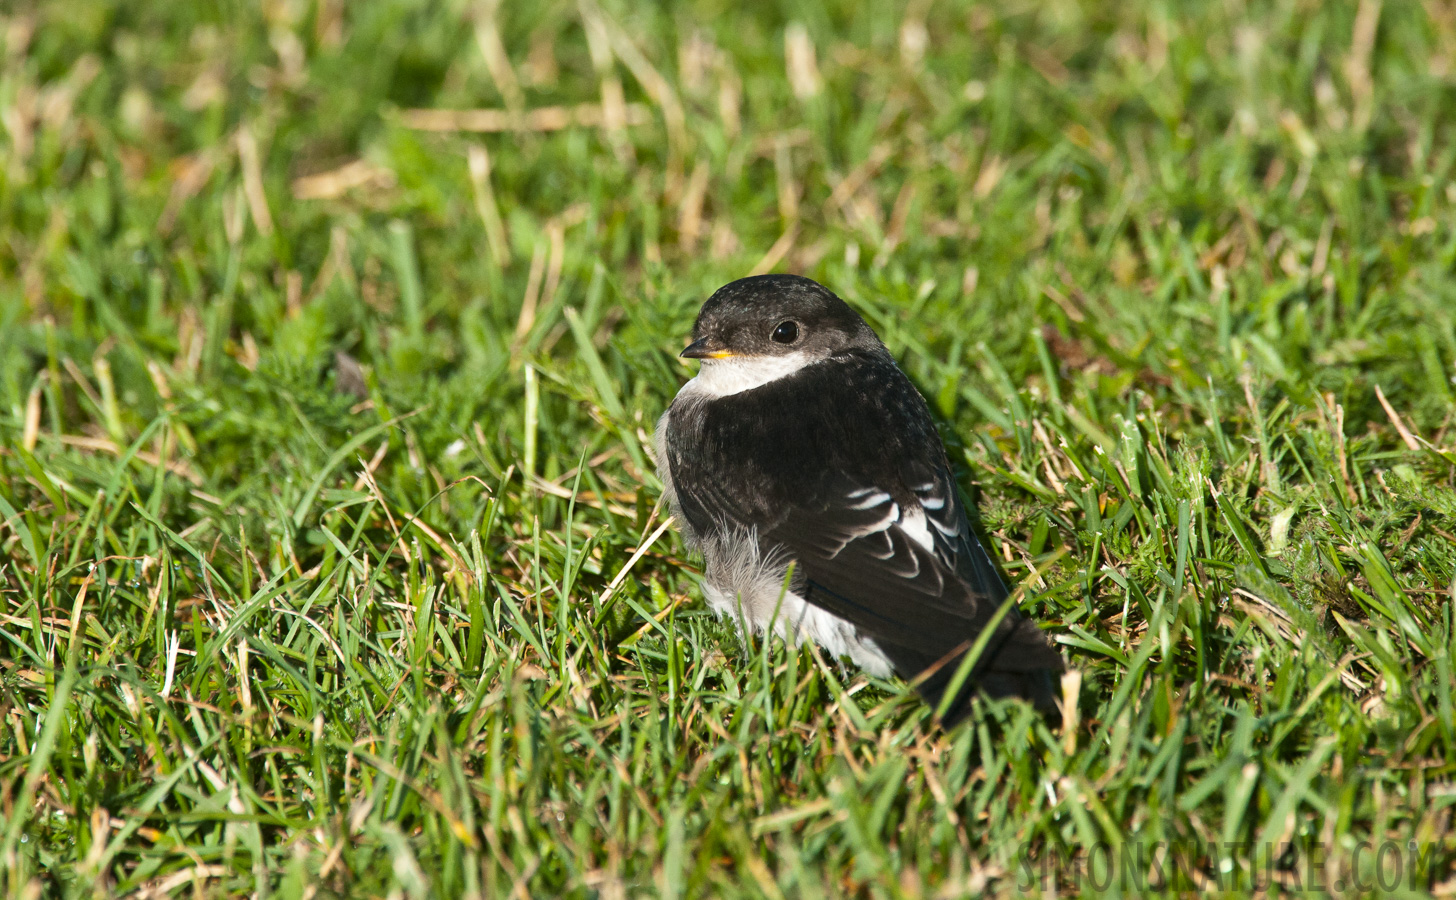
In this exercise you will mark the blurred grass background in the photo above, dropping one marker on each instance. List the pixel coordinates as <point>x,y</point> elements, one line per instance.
<point>331,336</point>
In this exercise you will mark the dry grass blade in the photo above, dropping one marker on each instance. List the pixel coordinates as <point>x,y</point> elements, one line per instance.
<point>330,185</point>
<point>544,118</point>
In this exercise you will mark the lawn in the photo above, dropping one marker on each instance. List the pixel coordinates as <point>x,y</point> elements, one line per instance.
<point>332,336</point>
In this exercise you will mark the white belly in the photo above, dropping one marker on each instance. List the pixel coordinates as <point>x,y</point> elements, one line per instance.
<point>744,586</point>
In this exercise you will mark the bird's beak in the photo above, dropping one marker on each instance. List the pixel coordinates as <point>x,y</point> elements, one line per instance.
<point>705,348</point>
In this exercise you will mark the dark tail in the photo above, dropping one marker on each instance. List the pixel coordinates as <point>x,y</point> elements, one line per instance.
<point>1019,662</point>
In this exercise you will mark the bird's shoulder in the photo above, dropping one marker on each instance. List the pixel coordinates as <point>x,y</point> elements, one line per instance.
<point>852,413</point>
<point>841,448</point>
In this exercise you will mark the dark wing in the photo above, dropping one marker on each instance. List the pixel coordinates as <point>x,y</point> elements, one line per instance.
<point>866,561</point>
<point>841,465</point>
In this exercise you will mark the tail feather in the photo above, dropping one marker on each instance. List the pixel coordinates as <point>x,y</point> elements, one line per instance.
<point>1019,662</point>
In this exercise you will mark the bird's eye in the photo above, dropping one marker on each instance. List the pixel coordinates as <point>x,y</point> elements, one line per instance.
<point>785,333</point>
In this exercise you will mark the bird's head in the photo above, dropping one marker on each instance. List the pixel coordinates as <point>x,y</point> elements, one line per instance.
<point>776,319</point>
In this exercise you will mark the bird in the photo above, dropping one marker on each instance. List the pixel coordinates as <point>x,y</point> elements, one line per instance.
<point>805,467</point>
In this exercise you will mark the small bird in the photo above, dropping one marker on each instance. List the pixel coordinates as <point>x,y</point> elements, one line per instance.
<point>804,466</point>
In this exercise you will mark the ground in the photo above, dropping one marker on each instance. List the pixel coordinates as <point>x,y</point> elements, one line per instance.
<point>333,335</point>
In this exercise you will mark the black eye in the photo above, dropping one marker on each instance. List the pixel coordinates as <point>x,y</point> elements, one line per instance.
<point>785,333</point>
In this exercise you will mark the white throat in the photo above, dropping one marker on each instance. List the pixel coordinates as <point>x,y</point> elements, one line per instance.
<point>722,377</point>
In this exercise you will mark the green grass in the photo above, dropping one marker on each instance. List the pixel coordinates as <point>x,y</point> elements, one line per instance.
<point>331,555</point>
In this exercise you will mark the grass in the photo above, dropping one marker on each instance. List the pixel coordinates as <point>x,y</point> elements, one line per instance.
<point>331,557</point>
